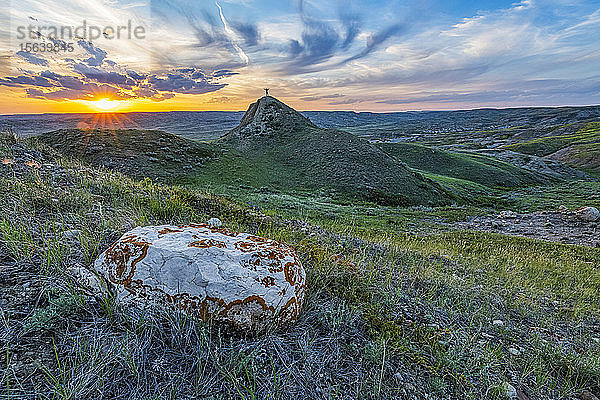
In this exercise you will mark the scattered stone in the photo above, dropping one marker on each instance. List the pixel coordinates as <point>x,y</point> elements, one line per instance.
<point>514,352</point>
<point>508,214</point>
<point>215,222</point>
<point>498,322</point>
<point>71,234</point>
<point>587,395</point>
<point>588,214</point>
<point>509,390</point>
<point>246,281</point>
<point>546,225</point>
<point>563,209</point>
<point>410,388</point>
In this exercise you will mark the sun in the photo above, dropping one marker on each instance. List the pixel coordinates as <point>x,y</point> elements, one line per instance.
<point>105,104</point>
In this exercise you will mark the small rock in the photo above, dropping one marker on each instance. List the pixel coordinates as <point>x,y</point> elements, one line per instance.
<point>398,376</point>
<point>71,234</point>
<point>588,214</point>
<point>498,322</point>
<point>587,395</point>
<point>508,214</point>
<point>509,390</point>
<point>513,351</point>
<point>563,209</point>
<point>410,388</point>
<point>215,222</point>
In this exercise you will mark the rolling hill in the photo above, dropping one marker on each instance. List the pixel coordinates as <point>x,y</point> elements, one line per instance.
<point>138,153</point>
<point>280,148</point>
<point>580,149</point>
<point>472,167</point>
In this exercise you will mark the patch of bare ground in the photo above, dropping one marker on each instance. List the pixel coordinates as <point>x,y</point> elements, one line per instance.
<point>562,227</point>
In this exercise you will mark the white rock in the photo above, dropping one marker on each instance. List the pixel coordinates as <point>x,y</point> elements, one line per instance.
<point>71,234</point>
<point>237,278</point>
<point>498,322</point>
<point>508,214</point>
<point>513,351</point>
<point>563,209</point>
<point>215,222</point>
<point>509,390</point>
<point>589,214</point>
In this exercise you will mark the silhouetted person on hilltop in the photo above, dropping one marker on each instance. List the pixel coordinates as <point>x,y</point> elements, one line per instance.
<point>266,91</point>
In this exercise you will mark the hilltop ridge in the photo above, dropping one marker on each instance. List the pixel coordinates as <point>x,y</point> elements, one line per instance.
<point>268,115</point>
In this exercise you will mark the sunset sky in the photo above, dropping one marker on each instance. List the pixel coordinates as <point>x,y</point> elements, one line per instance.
<point>314,55</point>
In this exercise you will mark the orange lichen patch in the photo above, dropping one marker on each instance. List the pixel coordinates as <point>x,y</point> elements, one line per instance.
<point>8,161</point>
<point>245,247</point>
<point>206,308</point>
<point>291,309</point>
<point>206,243</point>
<point>119,255</point>
<point>291,273</point>
<point>223,231</point>
<point>249,299</point>
<point>167,231</point>
<point>258,239</point>
<point>33,164</point>
<point>212,229</point>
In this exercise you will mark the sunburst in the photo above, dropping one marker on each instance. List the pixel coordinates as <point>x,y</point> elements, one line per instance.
<point>105,104</point>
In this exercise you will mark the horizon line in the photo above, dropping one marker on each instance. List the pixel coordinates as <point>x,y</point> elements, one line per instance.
<point>341,110</point>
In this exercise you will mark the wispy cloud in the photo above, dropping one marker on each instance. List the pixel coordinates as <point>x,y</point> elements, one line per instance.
<point>232,36</point>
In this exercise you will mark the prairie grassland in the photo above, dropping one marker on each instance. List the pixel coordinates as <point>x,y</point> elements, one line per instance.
<point>397,307</point>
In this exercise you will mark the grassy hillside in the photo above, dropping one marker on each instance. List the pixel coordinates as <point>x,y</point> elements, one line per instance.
<point>138,153</point>
<point>469,167</point>
<point>331,162</point>
<point>580,149</point>
<point>277,147</point>
<point>388,314</point>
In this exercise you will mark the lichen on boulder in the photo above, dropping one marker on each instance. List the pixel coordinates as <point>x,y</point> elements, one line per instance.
<point>246,281</point>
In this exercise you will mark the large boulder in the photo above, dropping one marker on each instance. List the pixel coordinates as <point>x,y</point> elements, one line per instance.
<point>589,214</point>
<point>241,279</point>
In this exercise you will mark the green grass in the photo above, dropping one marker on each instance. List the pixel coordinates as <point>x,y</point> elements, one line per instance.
<point>306,159</point>
<point>472,167</point>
